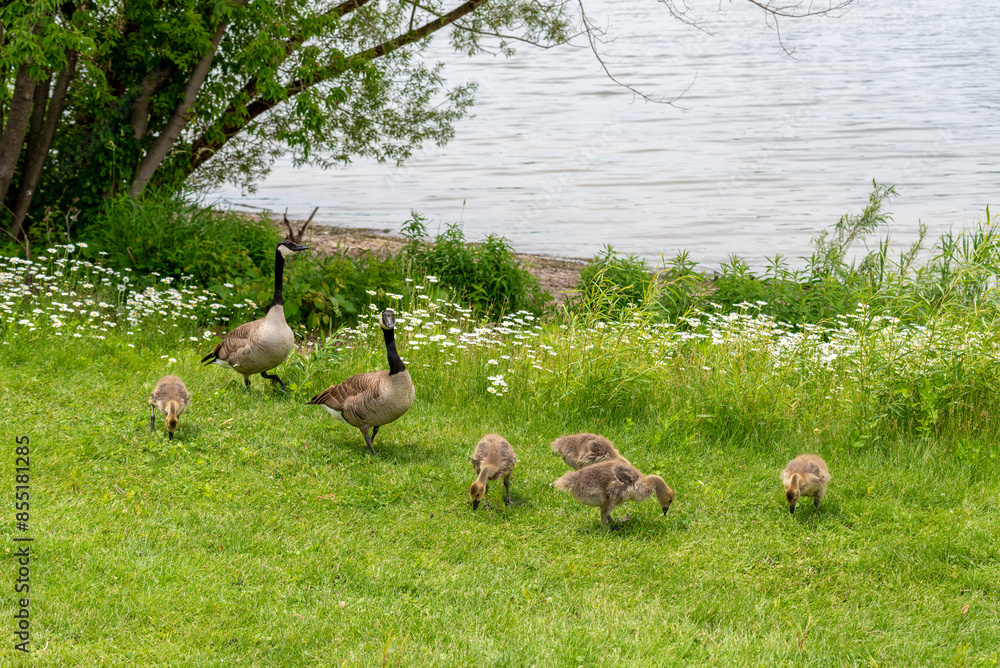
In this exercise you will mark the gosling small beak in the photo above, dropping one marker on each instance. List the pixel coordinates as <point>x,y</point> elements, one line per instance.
<point>170,435</point>
<point>665,509</point>
<point>791,509</point>
<point>475,504</point>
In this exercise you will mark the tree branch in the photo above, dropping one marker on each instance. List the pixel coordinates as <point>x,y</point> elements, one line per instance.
<point>204,148</point>
<point>151,84</point>
<point>165,142</point>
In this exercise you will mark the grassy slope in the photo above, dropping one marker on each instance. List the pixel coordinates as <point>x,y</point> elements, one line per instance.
<point>264,535</point>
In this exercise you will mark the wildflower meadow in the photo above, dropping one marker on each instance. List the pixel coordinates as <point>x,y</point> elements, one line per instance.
<point>265,534</point>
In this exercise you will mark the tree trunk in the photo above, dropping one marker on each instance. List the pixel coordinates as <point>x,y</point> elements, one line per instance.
<point>39,144</point>
<point>151,85</point>
<point>168,137</point>
<point>12,138</point>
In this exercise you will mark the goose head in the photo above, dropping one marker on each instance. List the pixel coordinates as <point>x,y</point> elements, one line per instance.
<point>388,319</point>
<point>792,491</point>
<point>664,494</point>
<point>286,248</point>
<point>478,493</point>
<point>171,426</point>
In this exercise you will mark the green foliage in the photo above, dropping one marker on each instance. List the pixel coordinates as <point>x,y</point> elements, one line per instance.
<point>198,92</point>
<point>614,286</point>
<point>486,274</point>
<point>175,238</point>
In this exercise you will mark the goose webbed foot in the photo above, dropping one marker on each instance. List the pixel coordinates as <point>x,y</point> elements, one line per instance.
<point>273,378</point>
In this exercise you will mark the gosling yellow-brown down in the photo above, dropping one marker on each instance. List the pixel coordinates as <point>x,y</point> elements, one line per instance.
<point>806,475</point>
<point>171,397</point>
<point>609,484</point>
<point>493,458</point>
<point>582,450</point>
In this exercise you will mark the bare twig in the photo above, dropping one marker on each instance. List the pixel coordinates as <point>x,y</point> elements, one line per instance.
<point>292,234</point>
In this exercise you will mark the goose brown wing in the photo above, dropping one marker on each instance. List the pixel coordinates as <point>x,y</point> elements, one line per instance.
<point>337,395</point>
<point>625,479</point>
<point>234,343</point>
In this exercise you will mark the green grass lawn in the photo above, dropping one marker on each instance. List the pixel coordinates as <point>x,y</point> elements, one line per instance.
<point>263,534</point>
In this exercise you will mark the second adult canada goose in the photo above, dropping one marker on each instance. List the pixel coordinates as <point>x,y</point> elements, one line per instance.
<point>609,484</point>
<point>581,450</point>
<point>262,344</point>
<point>375,398</point>
<point>806,475</point>
<point>493,458</point>
<point>171,397</point>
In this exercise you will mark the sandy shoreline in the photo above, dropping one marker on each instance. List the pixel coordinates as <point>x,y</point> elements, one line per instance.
<point>558,276</point>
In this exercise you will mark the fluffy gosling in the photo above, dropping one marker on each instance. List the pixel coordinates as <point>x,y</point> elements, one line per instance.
<point>171,397</point>
<point>609,484</point>
<point>806,475</point>
<point>582,450</point>
<point>493,458</point>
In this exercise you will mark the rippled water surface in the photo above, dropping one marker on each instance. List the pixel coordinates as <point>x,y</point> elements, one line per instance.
<point>762,150</point>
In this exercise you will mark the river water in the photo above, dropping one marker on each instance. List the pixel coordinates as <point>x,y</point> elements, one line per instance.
<point>760,152</point>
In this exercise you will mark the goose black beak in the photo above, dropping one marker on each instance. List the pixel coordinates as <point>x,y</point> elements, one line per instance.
<point>297,247</point>
<point>665,509</point>
<point>475,504</point>
<point>170,435</point>
<point>791,509</point>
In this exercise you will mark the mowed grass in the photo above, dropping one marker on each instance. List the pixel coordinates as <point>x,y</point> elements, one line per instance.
<point>263,534</point>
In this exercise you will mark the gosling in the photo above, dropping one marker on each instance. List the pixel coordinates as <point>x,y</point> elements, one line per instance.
<point>171,397</point>
<point>806,475</point>
<point>609,484</point>
<point>581,450</point>
<point>493,458</point>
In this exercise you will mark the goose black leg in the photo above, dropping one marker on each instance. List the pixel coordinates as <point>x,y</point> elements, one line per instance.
<point>506,486</point>
<point>816,503</point>
<point>368,440</point>
<point>152,418</point>
<point>246,380</point>
<point>374,433</point>
<point>273,378</point>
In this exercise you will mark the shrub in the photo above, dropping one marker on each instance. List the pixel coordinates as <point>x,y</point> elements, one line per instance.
<point>169,236</point>
<point>487,274</point>
<point>615,284</point>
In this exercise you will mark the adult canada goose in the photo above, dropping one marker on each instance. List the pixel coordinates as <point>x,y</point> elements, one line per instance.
<point>609,484</point>
<point>581,450</point>
<point>374,398</point>
<point>171,397</point>
<point>806,475</point>
<point>262,344</point>
<point>493,458</point>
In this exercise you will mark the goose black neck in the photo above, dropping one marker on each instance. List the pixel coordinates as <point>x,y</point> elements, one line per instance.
<point>279,270</point>
<point>395,364</point>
